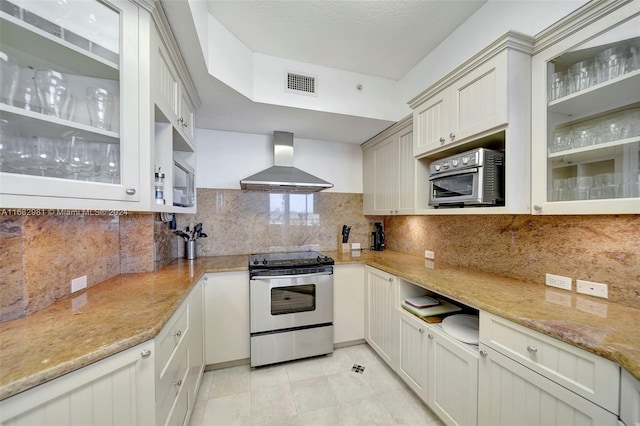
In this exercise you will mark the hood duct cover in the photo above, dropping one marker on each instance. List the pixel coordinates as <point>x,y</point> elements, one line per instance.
<point>283,177</point>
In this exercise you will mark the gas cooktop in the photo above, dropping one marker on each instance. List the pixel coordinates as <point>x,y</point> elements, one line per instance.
<point>289,259</point>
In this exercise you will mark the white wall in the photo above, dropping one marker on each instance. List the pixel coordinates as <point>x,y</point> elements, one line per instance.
<point>224,158</point>
<point>491,21</point>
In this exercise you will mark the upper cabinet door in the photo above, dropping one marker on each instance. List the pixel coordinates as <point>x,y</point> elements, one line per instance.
<point>69,104</point>
<point>431,123</point>
<point>586,118</point>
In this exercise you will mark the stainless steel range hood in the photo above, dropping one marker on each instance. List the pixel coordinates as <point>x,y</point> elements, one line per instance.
<point>283,177</point>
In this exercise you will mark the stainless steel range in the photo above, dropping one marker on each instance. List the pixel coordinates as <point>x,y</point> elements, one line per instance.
<point>291,296</point>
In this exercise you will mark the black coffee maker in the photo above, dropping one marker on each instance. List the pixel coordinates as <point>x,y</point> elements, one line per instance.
<point>377,237</point>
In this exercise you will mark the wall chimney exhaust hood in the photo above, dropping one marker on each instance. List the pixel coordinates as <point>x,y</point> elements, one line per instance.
<point>283,177</point>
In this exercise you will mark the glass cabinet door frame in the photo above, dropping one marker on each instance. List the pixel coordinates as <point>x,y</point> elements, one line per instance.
<point>603,17</point>
<point>17,190</point>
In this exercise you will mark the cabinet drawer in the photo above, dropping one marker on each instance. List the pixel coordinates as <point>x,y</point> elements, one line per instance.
<point>172,382</point>
<point>178,413</point>
<point>172,335</point>
<point>582,372</point>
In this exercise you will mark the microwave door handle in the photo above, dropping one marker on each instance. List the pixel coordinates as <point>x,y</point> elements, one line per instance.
<point>280,277</point>
<point>454,173</point>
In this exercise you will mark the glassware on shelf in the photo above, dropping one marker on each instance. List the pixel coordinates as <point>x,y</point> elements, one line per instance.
<point>633,61</point>
<point>581,76</point>
<point>52,88</point>
<point>561,141</point>
<point>9,72</point>
<point>110,164</point>
<point>7,141</point>
<point>558,86</point>
<point>610,64</point>
<point>78,157</point>
<point>584,136</point>
<point>100,106</point>
<point>25,96</point>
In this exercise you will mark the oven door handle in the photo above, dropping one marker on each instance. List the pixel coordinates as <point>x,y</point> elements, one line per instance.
<point>454,173</point>
<point>280,277</point>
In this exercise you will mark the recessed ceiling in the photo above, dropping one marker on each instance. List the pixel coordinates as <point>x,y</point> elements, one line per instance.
<point>379,38</point>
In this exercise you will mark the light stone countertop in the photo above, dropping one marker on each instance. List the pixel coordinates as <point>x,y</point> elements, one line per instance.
<point>130,309</point>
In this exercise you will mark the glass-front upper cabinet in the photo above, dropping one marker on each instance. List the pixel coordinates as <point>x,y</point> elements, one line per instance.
<point>586,116</point>
<point>68,103</point>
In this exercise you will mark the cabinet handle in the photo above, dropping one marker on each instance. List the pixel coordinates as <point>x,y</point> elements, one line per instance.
<point>390,280</point>
<point>483,354</point>
<point>130,191</point>
<point>390,211</point>
<point>532,349</point>
<point>537,208</point>
<point>185,125</point>
<point>430,336</point>
<point>421,330</point>
<point>180,120</point>
<point>178,333</point>
<point>146,353</point>
<point>452,136</point>
<point>178,383</point>
<point>442,140</point>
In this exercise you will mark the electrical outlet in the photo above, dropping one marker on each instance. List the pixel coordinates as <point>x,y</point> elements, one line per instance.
<point>78,284</point>
<point>558,281</point>
<point>592,289</point>
<point>355,246</point>
<point>429,254</point>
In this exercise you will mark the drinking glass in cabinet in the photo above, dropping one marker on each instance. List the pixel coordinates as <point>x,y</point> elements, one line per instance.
<point>100,106</point>
<point>610,64</point>
<point>558,86</point>
<point>53,92</point>
<point>561,141</point>
<point>581,76</point>
<point>8,77</point>
<point>110,162</point>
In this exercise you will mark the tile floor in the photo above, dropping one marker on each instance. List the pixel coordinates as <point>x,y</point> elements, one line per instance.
<point>321,391</point>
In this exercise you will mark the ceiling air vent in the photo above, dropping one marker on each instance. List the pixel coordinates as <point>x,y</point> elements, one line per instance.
<point>301,84</point>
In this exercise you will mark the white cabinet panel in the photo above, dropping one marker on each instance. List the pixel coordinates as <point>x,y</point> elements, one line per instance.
<point>389,171</point>
<point>431,123</point>
<point>453,379</point>
<point>348,303</point>
<point>412,359</point>
<point>630,399</point>
<point>511,394</point>
<point>117,390</point>
<point>381,329</point>
<point>226,316</point>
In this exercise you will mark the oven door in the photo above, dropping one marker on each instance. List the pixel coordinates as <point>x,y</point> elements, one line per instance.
<point>456,188</point>
<point>282,302</point>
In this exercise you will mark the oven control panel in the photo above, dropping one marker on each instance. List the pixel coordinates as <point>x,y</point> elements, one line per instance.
<point>463,160</point>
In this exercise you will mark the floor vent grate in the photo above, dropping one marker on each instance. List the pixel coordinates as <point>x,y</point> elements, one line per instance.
<point>357,368</point>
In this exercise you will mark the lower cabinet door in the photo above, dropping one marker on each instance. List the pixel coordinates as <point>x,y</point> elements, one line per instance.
<point>412,361</point>
<point>117,390</point>
<point>512,394</point>
<point>381,327</point>
<point>453,379</point>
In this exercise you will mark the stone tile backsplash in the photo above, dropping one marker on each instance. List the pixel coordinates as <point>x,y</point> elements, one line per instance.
<point>41,254</point>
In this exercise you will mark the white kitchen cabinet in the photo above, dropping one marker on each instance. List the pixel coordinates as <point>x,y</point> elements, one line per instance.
<point>196,340</point>
<point>64,157</point>
<point>473,104</point>
<point>585,114</point>
<point>413,356</point>
<point>389,171</point>
<point>348,303</point>
<point>485,102</point>
<point>118,390</point>
<point>226,315</point>
<point>72,152</point>
<point>512,394</point>
<point>453,379</point>
<point>381,327</point>
<point>590,376</point>
<point>629,399</point>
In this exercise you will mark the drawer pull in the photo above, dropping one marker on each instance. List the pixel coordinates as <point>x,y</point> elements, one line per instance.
<point>430,336</point>
<point>421,330</point>
<point>532,349</point>
<point>178,383</point>
<point>483,354</point>
<point>145,354</point>
<point>178,333</point>
<point>442,140</point>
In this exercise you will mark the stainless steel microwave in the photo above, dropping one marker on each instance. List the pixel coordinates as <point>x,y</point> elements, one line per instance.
<point>472,178</point>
